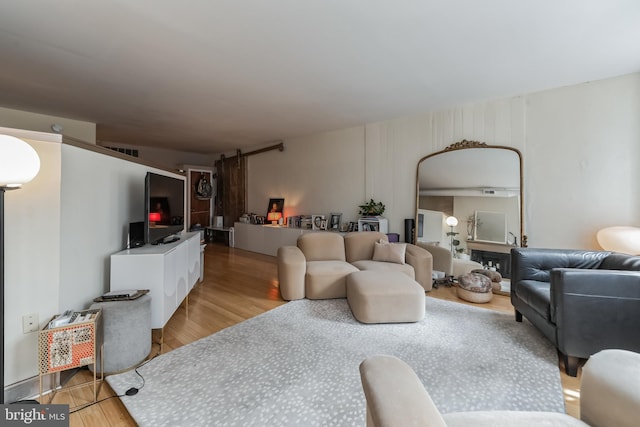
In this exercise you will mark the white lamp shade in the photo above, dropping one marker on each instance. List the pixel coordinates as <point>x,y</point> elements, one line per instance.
<point>19,162</point>
<point>452,221</point>
<point>621,239</point>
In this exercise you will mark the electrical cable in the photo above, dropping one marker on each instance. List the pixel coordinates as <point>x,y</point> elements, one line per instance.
<point>130,392</point>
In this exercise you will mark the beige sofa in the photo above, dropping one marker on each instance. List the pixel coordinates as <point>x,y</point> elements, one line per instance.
<point>444,261</point>
<point>318,266</point>
<point>608,397</point>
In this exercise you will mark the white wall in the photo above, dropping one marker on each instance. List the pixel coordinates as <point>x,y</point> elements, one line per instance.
<point>581,161</point>
<point>61,229</point>
<point>84,131</point>
<point>319,174</point>
<point>580,146</point>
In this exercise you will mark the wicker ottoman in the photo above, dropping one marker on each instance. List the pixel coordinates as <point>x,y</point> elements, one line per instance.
<point>385,297</point>
<point>474,287</point>
<point>126,326</point>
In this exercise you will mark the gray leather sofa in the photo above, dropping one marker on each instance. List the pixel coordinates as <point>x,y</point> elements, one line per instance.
<point>583,301</point>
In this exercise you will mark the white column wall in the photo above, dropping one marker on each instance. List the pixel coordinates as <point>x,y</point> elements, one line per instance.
<point>580,146</point>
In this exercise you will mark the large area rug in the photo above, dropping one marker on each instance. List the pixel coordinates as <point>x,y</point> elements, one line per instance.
<point>297,365</point>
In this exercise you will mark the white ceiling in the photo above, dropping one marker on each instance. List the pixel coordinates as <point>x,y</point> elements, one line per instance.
<point>213,75</point>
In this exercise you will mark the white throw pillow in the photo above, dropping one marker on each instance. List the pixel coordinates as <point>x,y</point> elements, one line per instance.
<point>389,252</point>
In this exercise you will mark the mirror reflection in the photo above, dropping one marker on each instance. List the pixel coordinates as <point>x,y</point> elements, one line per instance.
<point>479,185</point>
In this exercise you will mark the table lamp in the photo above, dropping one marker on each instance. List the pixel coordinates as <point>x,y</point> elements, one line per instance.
<point>19,164</point>
<point>274,217</point>
<point>621,239</point>
<point>452,221</point>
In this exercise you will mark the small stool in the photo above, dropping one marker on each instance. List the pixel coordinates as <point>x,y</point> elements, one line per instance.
<point>474,287</point>
<point>126,327</point>
<point>385,297</point>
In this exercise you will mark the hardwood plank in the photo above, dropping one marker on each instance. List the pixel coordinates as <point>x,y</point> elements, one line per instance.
<point>238,285</point>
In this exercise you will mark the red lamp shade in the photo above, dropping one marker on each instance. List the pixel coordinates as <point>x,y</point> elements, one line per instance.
<point>274,216</point>
<point>154,216</point>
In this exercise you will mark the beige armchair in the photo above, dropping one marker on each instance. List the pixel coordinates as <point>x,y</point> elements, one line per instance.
<point>608,397</point>
<point>444,261</point>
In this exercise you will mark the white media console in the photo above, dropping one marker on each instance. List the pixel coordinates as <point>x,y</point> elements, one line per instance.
<point>169,272</point>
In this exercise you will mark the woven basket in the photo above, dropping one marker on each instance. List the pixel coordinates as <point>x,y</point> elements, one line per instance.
<point>477,297</point>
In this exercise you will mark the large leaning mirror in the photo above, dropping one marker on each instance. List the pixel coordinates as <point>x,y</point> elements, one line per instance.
<point>481,186</point>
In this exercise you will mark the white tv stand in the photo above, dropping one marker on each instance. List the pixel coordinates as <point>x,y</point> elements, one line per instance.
<point>169,271</point>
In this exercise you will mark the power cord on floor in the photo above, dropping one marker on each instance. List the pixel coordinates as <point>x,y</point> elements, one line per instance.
<point>130,392</point>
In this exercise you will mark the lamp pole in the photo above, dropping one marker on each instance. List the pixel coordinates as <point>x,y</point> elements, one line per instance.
<point>19,164</point>
<point>2,190</point>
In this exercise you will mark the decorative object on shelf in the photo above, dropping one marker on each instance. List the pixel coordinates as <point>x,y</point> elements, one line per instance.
<point>203,188</point>
<point>19,164</point>
<point>372,208</point>
<point>621,239</point>
<point>335,221</point>
<point>274,217</point>
<point>452,221</point>
<point>316,222</point>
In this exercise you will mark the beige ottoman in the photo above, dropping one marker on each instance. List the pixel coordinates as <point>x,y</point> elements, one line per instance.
<point>385,297</point>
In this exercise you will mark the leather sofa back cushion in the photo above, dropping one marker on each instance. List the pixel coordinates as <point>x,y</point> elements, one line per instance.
<point>536,264</point>
<point>617,261</point>
<point>359,244</point>
<point>389,252</point>
<point>322,246</point>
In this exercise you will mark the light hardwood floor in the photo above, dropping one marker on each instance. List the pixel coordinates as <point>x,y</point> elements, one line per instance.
<point>238,285</point>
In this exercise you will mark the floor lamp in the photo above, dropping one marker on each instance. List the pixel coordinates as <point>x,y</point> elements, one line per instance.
<point>19,164</point>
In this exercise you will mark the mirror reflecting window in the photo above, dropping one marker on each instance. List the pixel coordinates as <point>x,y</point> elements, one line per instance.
<point>490,227</point>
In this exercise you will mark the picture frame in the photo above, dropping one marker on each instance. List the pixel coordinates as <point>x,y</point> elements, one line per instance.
<point>275,205</point>
<point>316,222</point>
<point>335,219</point>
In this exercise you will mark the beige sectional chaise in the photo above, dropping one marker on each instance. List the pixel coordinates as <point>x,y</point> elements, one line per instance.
<point>317,268</point>
<point>444,261</point>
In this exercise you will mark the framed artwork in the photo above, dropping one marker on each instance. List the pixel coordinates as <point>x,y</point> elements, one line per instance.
<point>334,224</point>
<point>275,206</point>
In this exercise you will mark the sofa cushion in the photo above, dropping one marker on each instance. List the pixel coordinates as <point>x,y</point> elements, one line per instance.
<point>322,246</point>
<point>536,295</point>
<point>389,252</point>
<point>327,279</point>
<point>365,265</point>
<point>359,245</point>
<point>618,261</point>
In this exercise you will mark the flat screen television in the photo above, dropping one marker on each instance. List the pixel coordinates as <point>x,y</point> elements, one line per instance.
<point>164,208</point>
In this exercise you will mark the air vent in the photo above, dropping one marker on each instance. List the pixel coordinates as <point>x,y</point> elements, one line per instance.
<point>127,151</point>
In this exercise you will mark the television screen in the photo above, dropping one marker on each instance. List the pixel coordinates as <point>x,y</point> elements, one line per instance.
<point>164,207</point>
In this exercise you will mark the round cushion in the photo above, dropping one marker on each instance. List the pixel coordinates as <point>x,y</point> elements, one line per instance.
<point>493,275</point>
<point>474,288</point>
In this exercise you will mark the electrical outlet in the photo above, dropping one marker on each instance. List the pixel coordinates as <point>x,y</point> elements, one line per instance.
<point>30,323</point>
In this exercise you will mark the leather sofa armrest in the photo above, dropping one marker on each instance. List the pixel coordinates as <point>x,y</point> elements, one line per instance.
<point>593,307</point>
<point>292,266</point>
<point>395,396</point>
<point>422,262</point>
